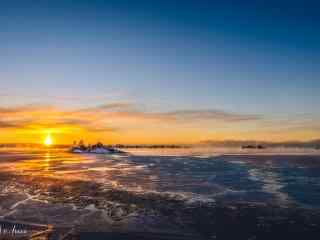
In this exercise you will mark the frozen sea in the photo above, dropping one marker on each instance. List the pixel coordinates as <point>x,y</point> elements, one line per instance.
<point>142,189</point>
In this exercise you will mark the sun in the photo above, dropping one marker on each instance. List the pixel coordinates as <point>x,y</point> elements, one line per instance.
<point>48,140</point>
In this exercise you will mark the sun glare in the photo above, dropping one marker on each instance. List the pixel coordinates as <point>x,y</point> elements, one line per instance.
<point>48,140</point>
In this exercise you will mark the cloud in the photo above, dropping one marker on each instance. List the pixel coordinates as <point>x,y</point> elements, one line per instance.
<point>63,98</point>
<point>4,124</point>
<point>132,120</point>
<point>109,117</point>
<point>117,106</point>
<point>131,111</point>
<point>13,124</point>
<point>216,115</point>
<point>19,109</point>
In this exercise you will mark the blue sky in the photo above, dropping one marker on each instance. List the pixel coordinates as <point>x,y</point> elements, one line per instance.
<point>248,57</point>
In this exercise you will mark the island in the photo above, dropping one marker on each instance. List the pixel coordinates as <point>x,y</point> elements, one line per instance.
<point>98,148</point>
<point>253,147</point>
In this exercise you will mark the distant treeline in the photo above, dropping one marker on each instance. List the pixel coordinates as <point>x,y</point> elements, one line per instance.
<point>149,146</point>
<point>236,143</point>
<point>35,145</point>
<point>209,143</point>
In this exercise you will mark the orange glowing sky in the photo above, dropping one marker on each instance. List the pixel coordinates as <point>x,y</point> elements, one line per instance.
<point>126,123</point>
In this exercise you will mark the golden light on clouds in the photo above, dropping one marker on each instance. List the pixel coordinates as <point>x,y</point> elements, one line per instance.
<point>128,124</point>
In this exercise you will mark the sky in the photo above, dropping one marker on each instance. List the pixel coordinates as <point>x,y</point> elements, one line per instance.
<point>159,71</point>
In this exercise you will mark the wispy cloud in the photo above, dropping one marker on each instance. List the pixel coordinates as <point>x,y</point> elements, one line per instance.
<point>131,111</point>
<point>132,120</point>
<point>105,117</point>
<point>216,115</point>
<point>115,106</point>
<point>5,124</point>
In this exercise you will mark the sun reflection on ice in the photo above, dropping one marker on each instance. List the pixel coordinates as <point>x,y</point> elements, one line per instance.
<point>47,161</point>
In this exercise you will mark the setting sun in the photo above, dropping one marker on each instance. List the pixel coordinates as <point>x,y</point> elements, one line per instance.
<point>48,140</point>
